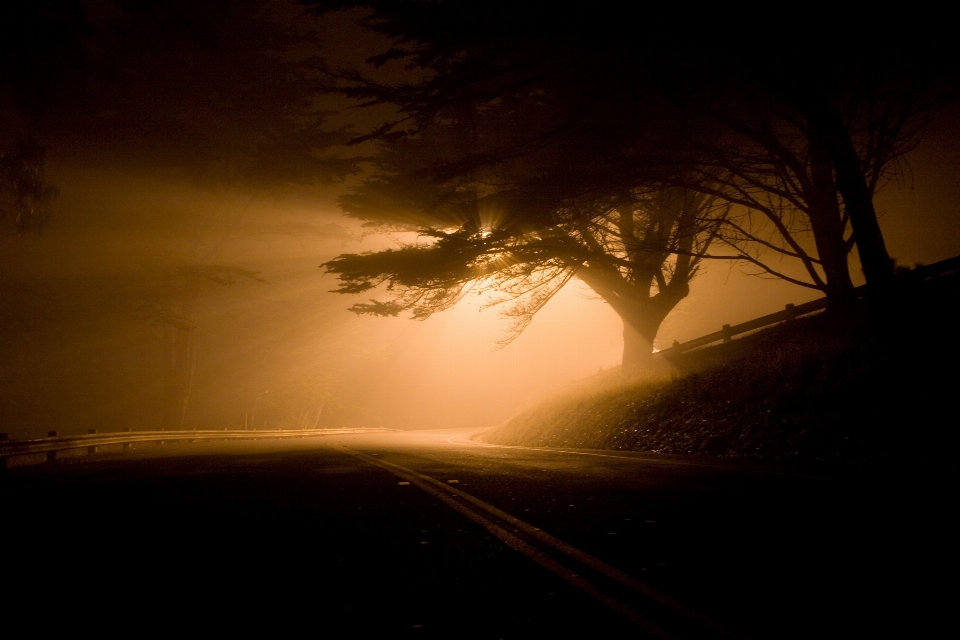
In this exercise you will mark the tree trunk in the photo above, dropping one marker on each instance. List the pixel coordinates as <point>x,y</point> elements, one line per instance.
<point>637,351</point>
<point>852,185</point>
<point>828,228</point>
<point>639,331</point>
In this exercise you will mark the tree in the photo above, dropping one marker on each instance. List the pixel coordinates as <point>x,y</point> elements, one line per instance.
<point>520,226</point>
<point>814,139</point>
<point>780,146</point>
<point>778,168</point>
<point>221,92</point>
<point>40,43</point>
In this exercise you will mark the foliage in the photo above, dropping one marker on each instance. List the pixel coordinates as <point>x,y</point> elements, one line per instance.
<point>519,169</point>
<point>521,229</point>
<point>797,141</point>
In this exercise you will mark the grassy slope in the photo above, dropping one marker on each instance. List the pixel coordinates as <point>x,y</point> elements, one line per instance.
<point>822,389</point>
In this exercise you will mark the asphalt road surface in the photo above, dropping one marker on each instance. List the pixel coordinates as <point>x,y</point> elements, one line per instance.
<point>429,534</point>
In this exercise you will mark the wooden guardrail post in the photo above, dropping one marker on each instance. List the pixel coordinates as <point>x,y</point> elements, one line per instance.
<point>677,348</point>
<point>92,449</point>
<point>727,334</point>
<point>52,455</point>
<point>791,312</point>
<point>126,445</point>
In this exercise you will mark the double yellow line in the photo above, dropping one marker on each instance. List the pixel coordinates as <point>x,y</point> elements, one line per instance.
<point>478,511</point>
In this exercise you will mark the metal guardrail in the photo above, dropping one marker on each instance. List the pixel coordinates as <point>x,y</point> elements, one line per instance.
<point>912,277</point>
<point>54,443</point>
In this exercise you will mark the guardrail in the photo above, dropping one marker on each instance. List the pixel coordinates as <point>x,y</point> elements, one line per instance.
<point>53,444</point>
<point>912,277</point>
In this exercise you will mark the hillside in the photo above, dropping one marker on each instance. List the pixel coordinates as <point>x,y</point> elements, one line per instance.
<point>853,389</point>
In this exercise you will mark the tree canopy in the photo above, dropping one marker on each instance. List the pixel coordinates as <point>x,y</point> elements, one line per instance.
<point>221,93</point>
<point>517,196</point>
<point>577,129</point>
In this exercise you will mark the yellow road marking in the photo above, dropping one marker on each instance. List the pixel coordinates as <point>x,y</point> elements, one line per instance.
<point>432,486</point>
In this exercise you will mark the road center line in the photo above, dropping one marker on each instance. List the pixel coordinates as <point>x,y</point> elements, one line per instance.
<point>430,486</point>
<point>569,550</point>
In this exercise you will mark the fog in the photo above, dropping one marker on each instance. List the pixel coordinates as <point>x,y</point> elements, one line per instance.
<point>161,297</point>
<point>87,308</point>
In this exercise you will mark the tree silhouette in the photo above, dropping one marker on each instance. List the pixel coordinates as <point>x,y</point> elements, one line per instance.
<point>811,135</point>
<point>566,119</point>
<point>813,139</point>
<point>521,225</point>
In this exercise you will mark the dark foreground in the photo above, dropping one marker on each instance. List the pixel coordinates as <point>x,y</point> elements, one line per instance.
<point>349,536</point>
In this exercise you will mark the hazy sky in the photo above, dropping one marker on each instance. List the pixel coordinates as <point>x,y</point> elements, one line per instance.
<point>170,205</point>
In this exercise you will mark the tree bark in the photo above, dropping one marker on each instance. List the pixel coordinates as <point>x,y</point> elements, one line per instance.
<point>640,327</point>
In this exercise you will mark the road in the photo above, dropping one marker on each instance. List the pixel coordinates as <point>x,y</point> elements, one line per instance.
<point>430,534</point>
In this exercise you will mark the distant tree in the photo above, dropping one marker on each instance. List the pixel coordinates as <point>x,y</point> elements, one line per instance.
<point>222,92</point>
<point>25,194</point>
<point>40,46</point>
<point>178,332</point>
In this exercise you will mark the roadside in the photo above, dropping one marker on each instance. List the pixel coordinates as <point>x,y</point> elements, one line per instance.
<point>859,389</point>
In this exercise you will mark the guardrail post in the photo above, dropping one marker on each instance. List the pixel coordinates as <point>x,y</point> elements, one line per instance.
<point>791,311</point>
<point>677,348</point>
<point>126,445</point>
<point>92,449</point>
<point>727,336</point>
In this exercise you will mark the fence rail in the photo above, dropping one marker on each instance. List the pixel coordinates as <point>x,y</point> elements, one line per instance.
<point>54,444</point>
<point>909,278</point>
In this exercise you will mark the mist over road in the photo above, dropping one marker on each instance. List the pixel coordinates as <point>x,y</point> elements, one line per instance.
<point>430,534</point>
